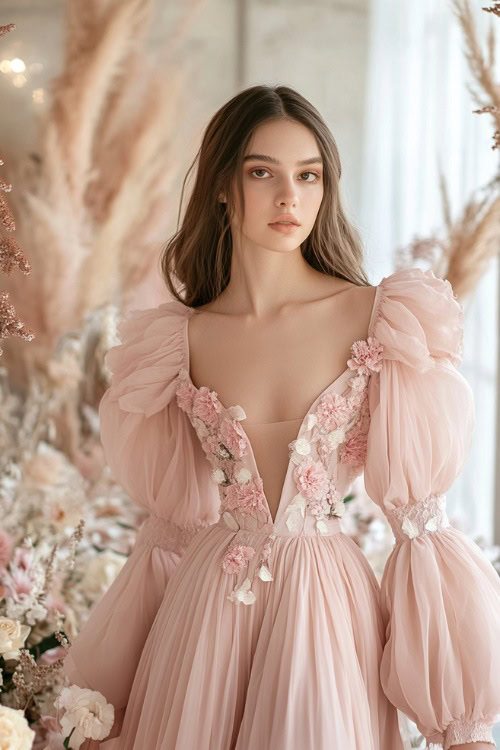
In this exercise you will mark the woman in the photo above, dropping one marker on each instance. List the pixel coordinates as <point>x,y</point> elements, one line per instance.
<point>239,414</point>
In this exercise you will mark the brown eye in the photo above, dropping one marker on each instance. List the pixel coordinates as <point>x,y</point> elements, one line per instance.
<point>258,169</point>
<point>316,175</point>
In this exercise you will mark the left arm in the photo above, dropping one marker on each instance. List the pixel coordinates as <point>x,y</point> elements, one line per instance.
<point>439,594</point>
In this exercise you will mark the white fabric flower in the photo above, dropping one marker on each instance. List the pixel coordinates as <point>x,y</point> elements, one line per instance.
<point>302,446</point>
<point>265,573</point>
<point>218,476</point>
<point>15,732</point>
<point>87,712</point>
<point>311,421</point>
<point>243,475</point>
<point>242,593</point>
<point>237,412</point>
<point>335,437</point>
<point>296,511</point>
<point>12,638</point>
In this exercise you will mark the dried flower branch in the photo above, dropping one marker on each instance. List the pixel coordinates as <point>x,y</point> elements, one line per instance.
<point>11,256</point>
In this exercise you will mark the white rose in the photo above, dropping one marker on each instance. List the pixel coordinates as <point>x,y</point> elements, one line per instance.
<point>87,712</point>
<point>15,732</point>
<point>101,572</point>
<point>12,638</point>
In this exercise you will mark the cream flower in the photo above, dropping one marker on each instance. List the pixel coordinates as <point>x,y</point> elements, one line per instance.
<point>15,732</point>
<point>86,712</point>
<point>12,638</point>
<point>101,572</point>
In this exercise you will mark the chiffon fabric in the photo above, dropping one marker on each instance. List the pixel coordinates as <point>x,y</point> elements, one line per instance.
<point>225,630</point>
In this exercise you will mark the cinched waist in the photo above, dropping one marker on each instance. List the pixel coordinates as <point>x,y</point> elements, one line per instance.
<point>163,533</point>
<point>229,523</point>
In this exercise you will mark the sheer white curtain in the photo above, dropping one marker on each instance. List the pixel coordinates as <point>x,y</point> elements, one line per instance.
<point>419,117</point>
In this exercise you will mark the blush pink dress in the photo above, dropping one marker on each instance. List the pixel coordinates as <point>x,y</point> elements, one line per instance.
<point>226,630</point>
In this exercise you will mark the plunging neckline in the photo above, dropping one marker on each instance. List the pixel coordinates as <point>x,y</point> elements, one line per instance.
<point>226,409</point>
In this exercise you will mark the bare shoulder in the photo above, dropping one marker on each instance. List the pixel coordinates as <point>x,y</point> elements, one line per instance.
<point>354,304</point>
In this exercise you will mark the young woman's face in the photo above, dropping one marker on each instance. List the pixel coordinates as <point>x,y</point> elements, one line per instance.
<point>275,182</point>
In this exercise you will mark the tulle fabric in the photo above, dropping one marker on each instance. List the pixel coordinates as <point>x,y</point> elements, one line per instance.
<point>440,595</point>
<point>299,669</point>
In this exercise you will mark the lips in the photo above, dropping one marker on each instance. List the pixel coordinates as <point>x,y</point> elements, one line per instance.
<point>286,217</point>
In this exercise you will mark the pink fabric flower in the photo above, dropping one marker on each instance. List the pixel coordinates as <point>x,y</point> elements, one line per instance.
<point>358,383</point>
<point>311,478</point>
<point>334,496</point>
<point>212,445</point>
<point>332,412</point>
<point>247,498</point>
<point>236,558</point>
<point>353,451</point>
<point>367,356</point>
<point>233,437</point>
<point>206,406</point>
<point>318,507</point>
<point>185,395</point>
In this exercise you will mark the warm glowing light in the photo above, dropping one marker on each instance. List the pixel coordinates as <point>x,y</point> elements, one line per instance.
<point>17,65</point>
<point>36,67</point>
<point>19,80</point>
<point>38,95</point>
<point>5,66</point>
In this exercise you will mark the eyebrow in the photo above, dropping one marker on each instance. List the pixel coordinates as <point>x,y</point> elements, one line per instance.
<point>272,160</point>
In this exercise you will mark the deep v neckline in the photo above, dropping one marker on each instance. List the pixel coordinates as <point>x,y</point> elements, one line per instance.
<point>302,425</point>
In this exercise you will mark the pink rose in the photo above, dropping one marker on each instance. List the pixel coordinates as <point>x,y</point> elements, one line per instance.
<point>311,478</point>
<point>236,558</point>
<point>246,498</point>
<point>206,406</point>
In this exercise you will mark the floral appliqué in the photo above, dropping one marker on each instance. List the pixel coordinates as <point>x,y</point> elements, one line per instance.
<point>338,423</point>
<point>243,502</point>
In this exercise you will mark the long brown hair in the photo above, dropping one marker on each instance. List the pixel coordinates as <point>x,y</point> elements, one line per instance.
<point>199,253</point>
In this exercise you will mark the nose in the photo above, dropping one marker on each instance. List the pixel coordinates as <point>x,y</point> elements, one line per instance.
<point>286,194</point>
